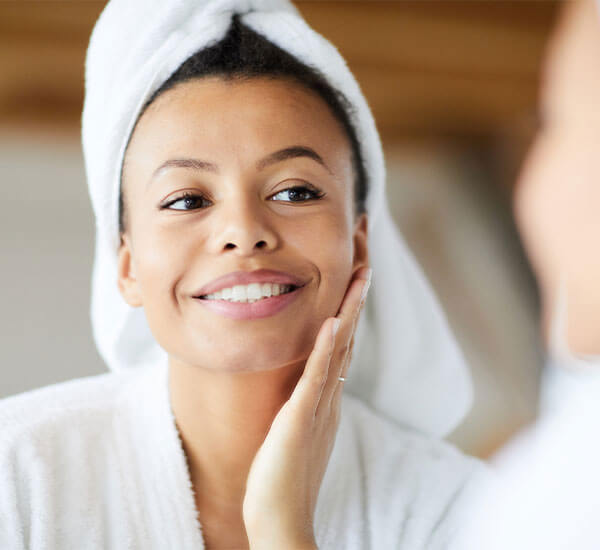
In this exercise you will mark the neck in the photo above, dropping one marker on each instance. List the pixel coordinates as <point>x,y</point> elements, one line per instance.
<point>223,419</point>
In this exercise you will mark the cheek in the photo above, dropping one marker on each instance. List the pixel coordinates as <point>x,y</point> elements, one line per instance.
<point>534,200</point>
<point>555,207</point>
<point>326,243</point>
<point>161,260</point>
<point>160,254</point>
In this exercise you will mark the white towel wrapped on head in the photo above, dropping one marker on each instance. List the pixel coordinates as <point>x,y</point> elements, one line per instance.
<point>406,364</point>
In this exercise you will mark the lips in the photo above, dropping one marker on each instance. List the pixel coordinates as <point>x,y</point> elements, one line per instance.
<point>249,277</point>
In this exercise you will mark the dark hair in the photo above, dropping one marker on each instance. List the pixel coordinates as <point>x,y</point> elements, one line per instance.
<point>244,54</point>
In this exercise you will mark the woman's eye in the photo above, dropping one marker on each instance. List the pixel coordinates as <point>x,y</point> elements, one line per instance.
<point>189,201</point>
<point>299,193</point>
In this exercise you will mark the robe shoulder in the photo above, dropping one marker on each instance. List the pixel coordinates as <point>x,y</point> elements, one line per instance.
<point>56,443</point>
<point>59,407</point>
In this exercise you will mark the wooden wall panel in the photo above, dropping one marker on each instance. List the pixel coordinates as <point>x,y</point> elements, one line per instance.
<point>465,68</point>
<point>427,68</point>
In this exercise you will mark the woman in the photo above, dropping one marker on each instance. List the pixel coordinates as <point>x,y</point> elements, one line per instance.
<point>232,158</point>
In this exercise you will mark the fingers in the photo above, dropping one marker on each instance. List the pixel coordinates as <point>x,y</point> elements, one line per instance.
<point>348,315</point>
<point>338,390</point>
<point>331,354</point>
<point>308,391</point>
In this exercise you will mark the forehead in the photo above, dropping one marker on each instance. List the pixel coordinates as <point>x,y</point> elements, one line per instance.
<point>245,118</point>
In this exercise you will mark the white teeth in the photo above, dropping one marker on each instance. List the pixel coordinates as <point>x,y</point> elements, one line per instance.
<point>266,289</point>
<point>254,291</point>
<point>239,294</point>
<point>249,293</point>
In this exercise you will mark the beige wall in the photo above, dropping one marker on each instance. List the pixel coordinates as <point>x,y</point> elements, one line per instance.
<point>46,246</point>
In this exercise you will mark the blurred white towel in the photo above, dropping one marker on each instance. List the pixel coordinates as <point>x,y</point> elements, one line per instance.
<point>546,491</point>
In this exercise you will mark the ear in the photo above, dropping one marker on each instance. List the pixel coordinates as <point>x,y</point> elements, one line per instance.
<point>361,247</point>
<point>126,277</point>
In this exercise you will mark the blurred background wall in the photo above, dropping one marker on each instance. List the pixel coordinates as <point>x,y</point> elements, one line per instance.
<point>453,87</point>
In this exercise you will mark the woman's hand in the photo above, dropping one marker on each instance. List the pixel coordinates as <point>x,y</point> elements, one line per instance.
<point>286,474</point>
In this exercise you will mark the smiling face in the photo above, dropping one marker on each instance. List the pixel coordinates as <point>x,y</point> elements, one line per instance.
<point>270,186</point>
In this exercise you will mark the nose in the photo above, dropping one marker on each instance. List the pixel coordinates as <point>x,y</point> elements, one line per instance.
<point>243,228</point>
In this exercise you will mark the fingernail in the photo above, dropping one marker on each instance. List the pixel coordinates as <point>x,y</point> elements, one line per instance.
<point>365,290</point>
<point>336,325</point>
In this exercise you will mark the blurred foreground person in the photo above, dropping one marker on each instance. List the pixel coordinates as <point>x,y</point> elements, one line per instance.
<point>547,494</point>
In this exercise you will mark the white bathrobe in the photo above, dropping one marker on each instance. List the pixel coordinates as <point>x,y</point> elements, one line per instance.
<point>97,463</point>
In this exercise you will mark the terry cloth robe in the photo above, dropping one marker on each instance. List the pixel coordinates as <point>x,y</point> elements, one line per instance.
<point>97,463</point>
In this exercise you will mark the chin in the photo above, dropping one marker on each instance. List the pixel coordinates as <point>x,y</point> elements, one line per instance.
<point>252,348</point>
<point>257,358</point>
<point>250,353</point>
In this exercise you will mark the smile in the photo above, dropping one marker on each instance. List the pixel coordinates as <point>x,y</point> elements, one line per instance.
<point>249,293</point>
<point>251,301</point>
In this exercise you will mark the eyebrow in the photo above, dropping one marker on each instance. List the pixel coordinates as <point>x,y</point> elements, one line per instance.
<point>273,158</point>
<point>289,153</point>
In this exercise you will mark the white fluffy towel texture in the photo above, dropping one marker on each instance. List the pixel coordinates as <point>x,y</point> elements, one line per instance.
<point>406,363</point>
<point>97,463</point>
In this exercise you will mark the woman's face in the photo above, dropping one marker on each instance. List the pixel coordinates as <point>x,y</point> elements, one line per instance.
<point>240,216</point>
